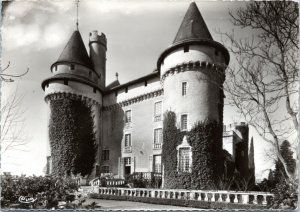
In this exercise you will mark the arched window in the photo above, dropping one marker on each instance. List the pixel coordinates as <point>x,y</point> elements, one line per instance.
<point>184,156</point>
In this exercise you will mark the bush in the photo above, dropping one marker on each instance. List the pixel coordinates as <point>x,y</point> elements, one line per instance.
<point>285,195</point>
<point>47,190</point>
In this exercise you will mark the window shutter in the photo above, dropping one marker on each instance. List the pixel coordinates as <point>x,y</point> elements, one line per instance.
<point>132,165</point>
<point>121,167</point>
<point>151,163</point>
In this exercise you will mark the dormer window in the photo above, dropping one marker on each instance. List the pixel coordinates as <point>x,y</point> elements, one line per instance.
<point>72,67</point>
<point>186,49</point>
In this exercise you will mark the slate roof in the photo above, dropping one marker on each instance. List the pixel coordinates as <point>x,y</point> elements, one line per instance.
<point>192,27</point>
<point>75,52</point>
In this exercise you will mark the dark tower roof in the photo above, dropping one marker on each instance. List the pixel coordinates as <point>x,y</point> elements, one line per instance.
<point>75,52</point>
<point>192,27</point>
<point>193,31</point>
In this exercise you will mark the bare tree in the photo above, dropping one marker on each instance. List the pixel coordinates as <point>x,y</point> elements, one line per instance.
<point>12,135</point>
<point>263,83</point>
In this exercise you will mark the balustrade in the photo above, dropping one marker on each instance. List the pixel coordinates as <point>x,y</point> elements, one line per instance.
<point>260,198</point>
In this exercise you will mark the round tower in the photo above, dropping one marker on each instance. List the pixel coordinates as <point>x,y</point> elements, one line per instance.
<point>192,72</point>
<point>73,88</point>
<point>98,47</point>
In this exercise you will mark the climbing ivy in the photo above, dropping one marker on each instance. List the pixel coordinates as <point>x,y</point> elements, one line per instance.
<point>72,137</point>
<point>205,138</point>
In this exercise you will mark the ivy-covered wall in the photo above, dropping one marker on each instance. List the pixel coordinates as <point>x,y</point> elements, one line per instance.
<point>72,138</point>
<point>205,138</point>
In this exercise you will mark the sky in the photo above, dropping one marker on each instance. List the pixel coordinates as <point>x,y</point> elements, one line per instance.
<point>34,34</point>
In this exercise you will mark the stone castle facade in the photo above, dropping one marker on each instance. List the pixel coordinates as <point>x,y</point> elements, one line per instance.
<point>128,118</point>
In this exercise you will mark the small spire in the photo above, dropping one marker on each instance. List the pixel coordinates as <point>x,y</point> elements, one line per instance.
<point>117,75</point>
<point>77,5</point>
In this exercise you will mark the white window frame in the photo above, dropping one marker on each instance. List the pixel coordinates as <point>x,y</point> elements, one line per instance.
<point>186,88</point>
<point>155,116</point>
<point>157,144</point>
<point>181,123</point>
<point>154,164</point>
<point>125,118</point>
<point>130,141</point>
<point>184,144</point>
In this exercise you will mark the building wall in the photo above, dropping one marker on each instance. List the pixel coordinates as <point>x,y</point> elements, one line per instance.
<point>200,102</point>
<point>141,127</point>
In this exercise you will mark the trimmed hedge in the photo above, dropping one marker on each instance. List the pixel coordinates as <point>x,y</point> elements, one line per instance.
<point>72,138</point>
<point>205,138</point>
<point>177,202</point>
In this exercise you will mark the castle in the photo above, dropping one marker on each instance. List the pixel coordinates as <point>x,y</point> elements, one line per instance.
<point>128,118</point>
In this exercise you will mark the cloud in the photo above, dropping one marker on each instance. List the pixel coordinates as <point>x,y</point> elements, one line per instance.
<point>35,26</point>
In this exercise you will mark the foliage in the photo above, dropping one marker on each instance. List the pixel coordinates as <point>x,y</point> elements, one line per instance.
<point>285,195</point>
<point>205,138</point>
<point>72,138</point>
<point>138,181</point>
<point>287,154</point>
<point>48,190</point>
<point>265,76</point>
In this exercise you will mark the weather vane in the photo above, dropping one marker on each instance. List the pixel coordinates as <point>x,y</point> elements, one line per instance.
<point>77,4</point>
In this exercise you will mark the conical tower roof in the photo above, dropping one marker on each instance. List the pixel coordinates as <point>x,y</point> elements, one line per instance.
<point>75,52</point>
<point>192,27</point>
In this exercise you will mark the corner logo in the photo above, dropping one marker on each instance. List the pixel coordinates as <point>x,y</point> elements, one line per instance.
<point>23,199</point>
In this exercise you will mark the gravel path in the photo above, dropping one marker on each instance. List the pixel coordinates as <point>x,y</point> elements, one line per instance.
<point>128,205</point>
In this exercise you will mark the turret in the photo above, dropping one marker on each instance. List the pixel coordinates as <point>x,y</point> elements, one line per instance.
<point>98,47</point>
<point>192,71</point>
<point>74,100</point>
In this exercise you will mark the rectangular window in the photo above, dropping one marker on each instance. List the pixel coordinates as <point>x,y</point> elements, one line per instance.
<point>127,140</point>
<point>157,111</point>
<point>72,67</point>
<point>127,116</point>
<point>184,85</point>
<point>65,82</point>
<point>105,154</point>
<point>157,163</point>
<point>186,48</point>
<point>126,90</point>
<point>184,159</point>
<point>158,138</point>
<point>104,169</point>
<point>127,161</point>
<point>184,122</point>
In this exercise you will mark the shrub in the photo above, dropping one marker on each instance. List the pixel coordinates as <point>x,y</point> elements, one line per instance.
<point>47,190</point>
<point>285,195</point>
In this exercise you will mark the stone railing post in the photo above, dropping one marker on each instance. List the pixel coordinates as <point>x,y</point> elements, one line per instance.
<point>227,198</point>
<point>245,198</point>
<point>206,197</point>
<point>255,199</point>
<point>213,199</point>
<point>264,201</point>
<point>192,195</point>
<point>153,193</point>
<point>235,200</point>
<point>122,192</point>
